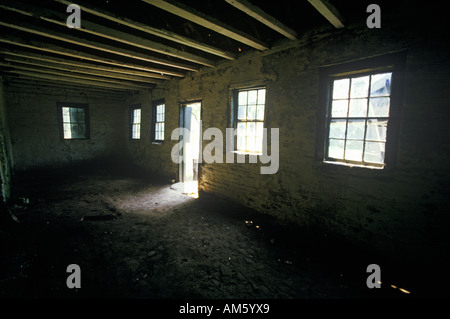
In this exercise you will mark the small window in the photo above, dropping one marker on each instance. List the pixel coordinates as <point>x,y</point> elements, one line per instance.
<point>249,108</point>
<point>159,114</point>
<point>74,119</point>
<point>136,123</point>
<point>358,118</point>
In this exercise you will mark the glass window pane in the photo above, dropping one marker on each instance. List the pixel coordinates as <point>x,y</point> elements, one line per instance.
<point>379,107</point>
<point>251,112</point>
<point>74,130</point>
<point>337,128</point>
<point>82,131</point>
<point>67,131</point>
<point>73,114</point>
<point>262,96</point>
<point>242,98</point>
<point>242,112</point>
<point>374,152</point>
<point>355,129</point>
<point>162,132</point>
<point>339,108</point>
<point>251,144</point>
<point>260,112</point>
<point>354,150</point>
<point>359,87</point>
<point>340,89</point>
<point>259,144</point>
<point>66,118</point>
<point>240,143</point>
<point>259,129</point>
<point>80,115</point>
<point>336,149</point>
<point>380,84</point>
<point>251,129</point>
<point>252,96</point>
<point>358,108</point>
<point>241,129</point>
<point>376,130</point>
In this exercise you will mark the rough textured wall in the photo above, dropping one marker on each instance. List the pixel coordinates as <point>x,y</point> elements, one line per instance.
<point>34,126</point>
<point>405,211</point>
<point>5,159</point>
<point>153,157</point>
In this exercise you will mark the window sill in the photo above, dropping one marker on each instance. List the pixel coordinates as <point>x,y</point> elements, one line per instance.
<point>351,165</point>
<point>157,142</point>
<point>247,153</point>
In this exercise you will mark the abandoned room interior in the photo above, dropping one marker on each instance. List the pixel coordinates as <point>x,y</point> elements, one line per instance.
<point>226,149</point>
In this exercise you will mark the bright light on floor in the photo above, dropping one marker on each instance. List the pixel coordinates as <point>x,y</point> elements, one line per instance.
<point>191,188</point>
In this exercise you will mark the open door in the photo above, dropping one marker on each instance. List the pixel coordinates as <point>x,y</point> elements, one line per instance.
<point>190,119</point>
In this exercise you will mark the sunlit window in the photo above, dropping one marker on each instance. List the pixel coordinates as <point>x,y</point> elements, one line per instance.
<point>358,118</point>
<point>249,108</point>
<point>136,123</point>
<point>74,122</point>
<point>159,114</point>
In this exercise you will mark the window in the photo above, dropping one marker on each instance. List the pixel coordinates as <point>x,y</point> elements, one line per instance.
<point>136,123</point>
<point>249,108</point>
<point>358,118</point>
<point>158,121</point>
<point>74,119</point>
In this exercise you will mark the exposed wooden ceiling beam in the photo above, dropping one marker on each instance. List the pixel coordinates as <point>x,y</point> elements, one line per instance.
<point>76,76</point>
<point>329,12</point>
<point>153,31</point>
<point>55,66</point>
<point>207,22</point>
<point>36,45</point>
<point>98,46</point>
<point>263,17</point>
<point>70,80</point>
<point>26,82</point>
<point>108,33</point>
<point>44,58</point>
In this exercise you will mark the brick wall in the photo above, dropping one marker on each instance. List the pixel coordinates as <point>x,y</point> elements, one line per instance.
<point>35,131</point>
<point>404,211</point>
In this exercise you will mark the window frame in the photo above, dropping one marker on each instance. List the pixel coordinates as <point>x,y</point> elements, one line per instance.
<point>85,106</point>
<point>235,120</point>
<point>154,122</point>
<point>131,121</point>
<point>393,63</point>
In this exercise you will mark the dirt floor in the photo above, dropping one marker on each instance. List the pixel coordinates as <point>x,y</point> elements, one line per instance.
<point>135,237</point>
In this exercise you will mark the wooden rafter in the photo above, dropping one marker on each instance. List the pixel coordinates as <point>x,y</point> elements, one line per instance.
<point>263,17</point>
<point>52,34</point>
<point>207,22</point>
<point>88,71</point>
<point>55,49</point>
<point>72,75</point>
<point>97,66</point>
<point>153,31</point>
<point>71,80</point>
<point>108,33</point>
<point>329,12</point>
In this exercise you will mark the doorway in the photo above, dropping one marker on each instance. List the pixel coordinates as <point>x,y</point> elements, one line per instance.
<point>190,120</point>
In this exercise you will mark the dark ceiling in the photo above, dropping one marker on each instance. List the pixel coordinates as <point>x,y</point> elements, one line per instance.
<point>135,44</point>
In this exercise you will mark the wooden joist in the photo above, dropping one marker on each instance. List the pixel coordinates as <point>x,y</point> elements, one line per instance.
<point>208,22</point>
<point>108,33</point>
<point>168,35</point>
<point>55,49</point>
<point>74,76</point>
<point>88,71</point>
<point>263,17</point>
<point>329,12</point>
<point>149,77</point>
